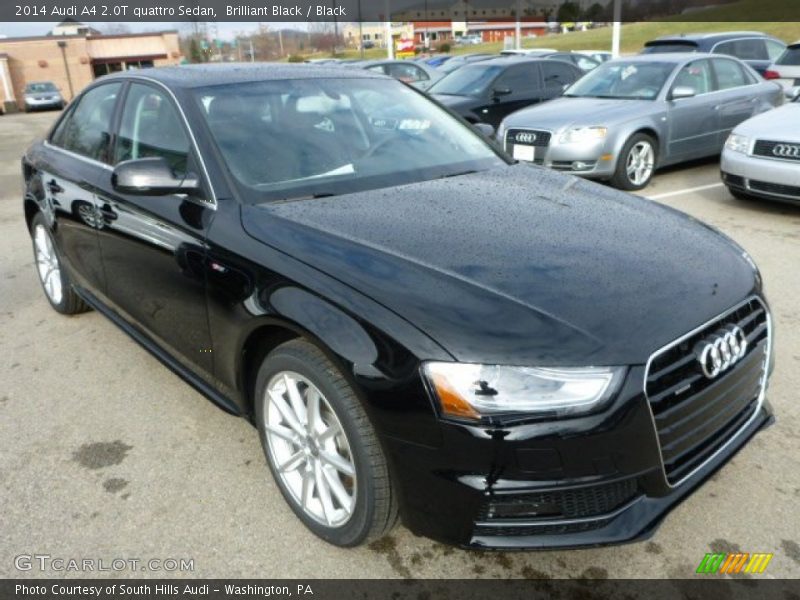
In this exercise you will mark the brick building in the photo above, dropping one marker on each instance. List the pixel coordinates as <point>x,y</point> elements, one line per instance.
<point>73,60</point>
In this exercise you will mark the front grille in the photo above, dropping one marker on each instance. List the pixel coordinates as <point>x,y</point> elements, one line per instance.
<point>775,188</point>
<point>573,503</point>
<point>694,415</point>
<point>766,148</point>
<point>542,138</point>
<point>509,530</point>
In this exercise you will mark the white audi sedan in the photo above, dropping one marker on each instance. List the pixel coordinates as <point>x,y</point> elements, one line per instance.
<point>761,158</point>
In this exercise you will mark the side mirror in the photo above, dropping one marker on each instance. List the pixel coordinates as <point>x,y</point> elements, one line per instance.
<point>683,91</point>
<point>151,177</point>
<point>484,129</point>
<point>503,91</point>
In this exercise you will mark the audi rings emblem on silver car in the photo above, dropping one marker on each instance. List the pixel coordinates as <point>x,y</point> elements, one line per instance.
<point>786,151</point>
<point>721,351</point>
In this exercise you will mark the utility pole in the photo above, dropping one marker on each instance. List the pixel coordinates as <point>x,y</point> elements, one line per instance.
<point>389,38</point>
<point>252,52</point>
<point>62,44</point>
<point>518,31</point>
<point>280,40</point>
<point>617,29</point>
<point>360,31</point>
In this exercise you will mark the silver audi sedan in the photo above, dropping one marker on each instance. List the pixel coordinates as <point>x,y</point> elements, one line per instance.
<point>631,116</point>
<point>761,158</point>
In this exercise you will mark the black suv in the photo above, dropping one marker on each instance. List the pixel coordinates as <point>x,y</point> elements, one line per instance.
<point>505,355</point>
<point>756,49</point>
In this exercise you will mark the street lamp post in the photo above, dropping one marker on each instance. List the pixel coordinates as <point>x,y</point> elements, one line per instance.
<point>62,44</point>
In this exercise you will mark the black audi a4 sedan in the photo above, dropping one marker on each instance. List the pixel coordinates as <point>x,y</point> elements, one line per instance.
<point>503,355</point>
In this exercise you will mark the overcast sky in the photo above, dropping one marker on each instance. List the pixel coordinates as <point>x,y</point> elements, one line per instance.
<point>226,30</point>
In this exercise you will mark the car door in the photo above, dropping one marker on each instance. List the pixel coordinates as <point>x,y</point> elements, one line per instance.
<point>515,88</point>
<point>737,97</point>
<point>153,247</point>
<point>693,122</point>
<point>74,162</point>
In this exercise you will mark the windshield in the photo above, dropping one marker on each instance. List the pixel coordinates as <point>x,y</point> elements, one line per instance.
<point>667,47</point>
<point>469,80</point>
<point>40,87</point>
<point>322,137</point>
<point>628,80</point>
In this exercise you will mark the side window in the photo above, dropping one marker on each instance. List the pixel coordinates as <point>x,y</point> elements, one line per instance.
<point>729,74</point>
<point>744,49</point>
<point>696,75</point>
<point>585,63</point>
<point>556,75</point>
<point>86,130</point>
<point>377,69</point>
<point>774,49</point>
<point>520,78</point>
<point>151,127</point>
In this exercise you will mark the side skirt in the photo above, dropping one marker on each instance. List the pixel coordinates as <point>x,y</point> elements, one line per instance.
<point>163,356</point>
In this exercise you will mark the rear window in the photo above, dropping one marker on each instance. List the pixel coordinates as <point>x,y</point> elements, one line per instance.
<point>790,58</point>
<point>671,46</point>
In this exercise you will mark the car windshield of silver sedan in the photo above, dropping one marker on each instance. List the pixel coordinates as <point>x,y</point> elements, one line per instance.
<point>633,80</point>
<point>470,80</point>
<point>38,88</point>
<point>325,137</point>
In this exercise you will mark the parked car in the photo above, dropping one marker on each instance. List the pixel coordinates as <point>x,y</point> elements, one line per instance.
<point>755,48</point>
<point>459,61</point>
<point>583,62</point>
<point>420,75</point>
<point>600,56</point>
<point>490,90</point>
<point>631,116</point>
<point>786,69</point>
<point>761,158</point>
<point>530,52</point>
<point>437,60</point>
<point>367,44</point>
<point>472,39</point>
<point>39,95</point>
<point>412,322</point>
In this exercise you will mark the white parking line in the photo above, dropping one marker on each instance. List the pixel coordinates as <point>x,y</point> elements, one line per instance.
<point>686,191</point>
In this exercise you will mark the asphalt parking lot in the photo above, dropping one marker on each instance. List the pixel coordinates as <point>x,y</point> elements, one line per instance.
<point>106,454</point>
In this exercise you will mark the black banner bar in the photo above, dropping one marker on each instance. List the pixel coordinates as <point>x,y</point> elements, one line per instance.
<point>712,587</point>
<point>398,10</point>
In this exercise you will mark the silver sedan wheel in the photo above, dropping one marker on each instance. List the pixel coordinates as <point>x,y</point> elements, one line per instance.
<point>640,163</point>
<point>309,449</point>
<point>47,264</point>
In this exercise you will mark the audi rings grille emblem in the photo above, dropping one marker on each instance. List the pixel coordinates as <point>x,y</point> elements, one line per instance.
<point>786,151</point>
<point>719,352</point>
<point>525,138</point>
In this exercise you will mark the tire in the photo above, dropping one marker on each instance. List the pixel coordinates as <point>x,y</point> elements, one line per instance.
<point>362,507</point>
<point>54,279</point>
<point>622,178</point>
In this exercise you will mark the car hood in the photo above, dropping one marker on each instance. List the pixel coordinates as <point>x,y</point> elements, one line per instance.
<point>781,124</point>
<point>519,265</point>
<point>564,112</point>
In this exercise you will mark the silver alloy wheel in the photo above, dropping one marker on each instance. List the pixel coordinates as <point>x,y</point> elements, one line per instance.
<point>640,162</point>
<point>309,449</point>
<point>47,264</point>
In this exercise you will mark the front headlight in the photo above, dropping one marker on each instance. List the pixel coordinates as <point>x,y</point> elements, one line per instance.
<point>737,143</point>
<point>471,391</point>
<point>578,135</point>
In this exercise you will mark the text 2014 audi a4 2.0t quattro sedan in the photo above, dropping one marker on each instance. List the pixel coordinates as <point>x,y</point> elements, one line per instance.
<point>505,355</point>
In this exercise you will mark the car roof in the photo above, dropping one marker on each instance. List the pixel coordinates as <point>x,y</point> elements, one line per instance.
<point>708,38</point>
<point>193,76</point>
<point>669,57</point>
<point>507,60</point>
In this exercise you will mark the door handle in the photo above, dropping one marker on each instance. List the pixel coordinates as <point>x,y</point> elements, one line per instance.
<point>53,187</point>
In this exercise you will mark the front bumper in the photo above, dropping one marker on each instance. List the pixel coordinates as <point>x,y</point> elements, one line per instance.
<point>763,177</point>
<point>592,159</point>
<point>33,103</point>
<point>594,480</point>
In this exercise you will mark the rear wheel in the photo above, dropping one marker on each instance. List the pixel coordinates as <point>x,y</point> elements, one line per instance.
<point>636,163</point>
<point>54,279</point>
<point>321,448</point>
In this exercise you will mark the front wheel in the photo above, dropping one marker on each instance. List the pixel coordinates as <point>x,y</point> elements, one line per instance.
<point>636,163</point>
<point>321,448</point>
